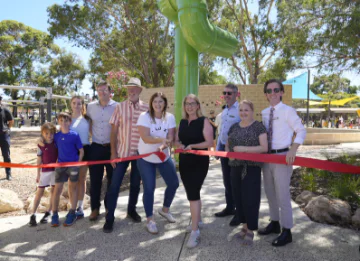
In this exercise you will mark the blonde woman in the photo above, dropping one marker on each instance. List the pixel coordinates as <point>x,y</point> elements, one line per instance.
<point>247,136</point>
<point>81,123</point>
<point>195,133</point>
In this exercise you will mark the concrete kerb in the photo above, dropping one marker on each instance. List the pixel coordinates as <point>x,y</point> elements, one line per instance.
<point>130,241</point>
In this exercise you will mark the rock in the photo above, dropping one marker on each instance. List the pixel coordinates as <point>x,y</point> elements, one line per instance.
<point>9,201</point>
<point>44,202</point>
<point>325,210</point>
<point>304,197</point>
<point>356,218</point>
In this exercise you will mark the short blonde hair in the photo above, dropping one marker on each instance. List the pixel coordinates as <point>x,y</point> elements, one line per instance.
<point>248,103</point>
<point>199,113</point>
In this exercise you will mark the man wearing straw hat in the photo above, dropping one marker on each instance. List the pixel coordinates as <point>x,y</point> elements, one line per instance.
<point>124,142</point>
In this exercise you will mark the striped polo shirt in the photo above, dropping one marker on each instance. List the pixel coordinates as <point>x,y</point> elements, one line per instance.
<point>125,117</point>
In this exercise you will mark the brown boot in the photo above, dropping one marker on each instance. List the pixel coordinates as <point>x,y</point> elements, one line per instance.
<point>94,215</point>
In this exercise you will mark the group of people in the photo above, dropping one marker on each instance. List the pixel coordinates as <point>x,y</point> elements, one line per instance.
<point>133,127</point>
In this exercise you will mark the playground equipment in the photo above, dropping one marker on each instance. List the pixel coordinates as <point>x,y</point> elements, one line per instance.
<point>49,97</point>
<point>193,34</point>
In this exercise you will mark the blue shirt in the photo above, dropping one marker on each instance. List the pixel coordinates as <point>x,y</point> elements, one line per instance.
<point>229,117</point>
<point>68,146</point>
<point>100,116</point>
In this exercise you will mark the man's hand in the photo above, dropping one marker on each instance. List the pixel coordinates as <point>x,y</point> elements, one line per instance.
<point>113,164</point>
<point>38,178</point>
<point>290,156</point>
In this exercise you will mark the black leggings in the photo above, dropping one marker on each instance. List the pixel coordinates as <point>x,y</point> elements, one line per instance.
<point>247,194</point>
<point>193,170</point>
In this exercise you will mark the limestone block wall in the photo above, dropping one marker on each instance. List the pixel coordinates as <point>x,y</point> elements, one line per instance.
<point>209,94</point>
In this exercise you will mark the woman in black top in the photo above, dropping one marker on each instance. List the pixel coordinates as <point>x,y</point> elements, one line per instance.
<point>194,133</point>
<point>248,136</point>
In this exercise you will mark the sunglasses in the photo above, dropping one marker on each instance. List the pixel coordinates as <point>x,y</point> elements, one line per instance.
<point>270,91</point>
<point>227,93</point>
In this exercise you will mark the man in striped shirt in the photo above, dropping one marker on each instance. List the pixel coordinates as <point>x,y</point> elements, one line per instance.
<point>124,142</point>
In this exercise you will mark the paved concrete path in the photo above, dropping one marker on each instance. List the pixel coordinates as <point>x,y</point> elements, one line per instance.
<point>130,241</point>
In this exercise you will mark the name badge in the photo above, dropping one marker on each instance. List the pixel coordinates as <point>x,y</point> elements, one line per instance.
<point>231,116</point>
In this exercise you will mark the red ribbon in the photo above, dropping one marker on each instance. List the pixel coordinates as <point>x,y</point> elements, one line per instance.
<point>280,159</point>
<point>160,154</point>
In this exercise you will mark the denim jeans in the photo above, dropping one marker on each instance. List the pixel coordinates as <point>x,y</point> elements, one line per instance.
<point>113,191</point>
<point>148,174</point>
<point>226,169</point>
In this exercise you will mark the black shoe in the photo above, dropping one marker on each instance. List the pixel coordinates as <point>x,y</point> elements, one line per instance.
<point>273,227</point>
<point>8,177</point>
<point>45,218</point>
<point>225,212</point>
<point>134,216</point>
<point>33,222</point>
<point>234,222</point>
<point>108,227</point>
<point>284,238</point>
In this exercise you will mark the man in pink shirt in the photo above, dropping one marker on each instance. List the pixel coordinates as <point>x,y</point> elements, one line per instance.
<point>124,141</point>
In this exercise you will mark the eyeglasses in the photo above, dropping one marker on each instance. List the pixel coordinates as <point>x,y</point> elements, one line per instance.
<point>228,93</point>
<point>192,104</point>
<point>270,91</point>
<point>103,91</point>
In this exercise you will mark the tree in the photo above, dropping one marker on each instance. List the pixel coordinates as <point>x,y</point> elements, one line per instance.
<point>122,34</point>
<point>332,84</point>
<point>20,47</point>
<point>64,74</point>
<point>335,30</point>
<point>267,45</point>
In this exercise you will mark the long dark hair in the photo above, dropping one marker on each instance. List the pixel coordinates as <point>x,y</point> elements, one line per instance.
<point>151,109</point>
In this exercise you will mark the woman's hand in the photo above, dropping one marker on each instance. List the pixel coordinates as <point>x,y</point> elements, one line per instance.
<point>38,178</point>
<point>188,147</point>
<point>240,148</point>
<point>166,143</point>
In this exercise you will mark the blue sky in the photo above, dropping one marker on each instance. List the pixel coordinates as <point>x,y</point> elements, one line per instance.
<point>33,13</point>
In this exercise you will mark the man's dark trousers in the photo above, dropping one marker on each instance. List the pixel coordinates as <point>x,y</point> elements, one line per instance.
<point>5,149</point>
<point>99,152</point>
<point>230,204</point>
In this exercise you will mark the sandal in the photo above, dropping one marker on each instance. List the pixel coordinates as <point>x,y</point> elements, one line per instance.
<point>248,239</point>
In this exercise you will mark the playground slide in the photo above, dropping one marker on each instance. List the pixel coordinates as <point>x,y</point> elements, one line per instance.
<point>192,17</point>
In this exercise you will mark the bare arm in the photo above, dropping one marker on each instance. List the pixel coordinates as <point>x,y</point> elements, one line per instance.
<point>113,141</point>
<point>147,138</point>
<point>81,154</point>
<point>10,123</point>
<point>38,162</point>
<point>208,135</point>
<point>262,148</point>
<point>178,143</point>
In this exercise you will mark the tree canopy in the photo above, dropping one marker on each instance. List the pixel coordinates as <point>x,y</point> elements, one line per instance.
<point>334,39</point>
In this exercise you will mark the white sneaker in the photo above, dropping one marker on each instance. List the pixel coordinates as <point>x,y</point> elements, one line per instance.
<point>151,227</point>
<point>168,216</point>
<point>194,239</point>
<point>200,225</point>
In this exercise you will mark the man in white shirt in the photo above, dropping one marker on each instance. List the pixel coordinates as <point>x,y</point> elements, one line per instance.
<point>281,121</point>
<point>229,116</point>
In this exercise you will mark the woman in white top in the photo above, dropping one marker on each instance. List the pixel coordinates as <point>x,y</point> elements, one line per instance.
<point>81,123</point>
<point>157,132</point>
